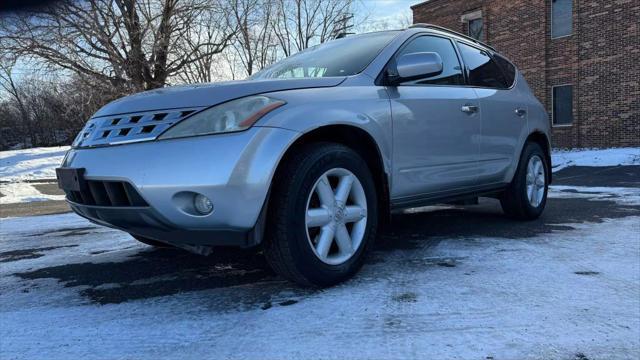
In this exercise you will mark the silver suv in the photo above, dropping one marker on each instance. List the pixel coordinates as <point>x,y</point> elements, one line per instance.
<point>310,155</point>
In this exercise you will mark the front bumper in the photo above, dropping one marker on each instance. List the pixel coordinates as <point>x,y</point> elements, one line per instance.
<point>233,170</point>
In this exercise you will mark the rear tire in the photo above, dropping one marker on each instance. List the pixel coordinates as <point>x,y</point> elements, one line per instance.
<point>150,242</point>
<point>322,217</point>
<point>526,196</point>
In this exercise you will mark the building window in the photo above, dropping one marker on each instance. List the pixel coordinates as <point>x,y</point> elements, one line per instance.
<point>562,98</point>
<point>474,29</point>
<point>561,18</point>
<point>474,26</point>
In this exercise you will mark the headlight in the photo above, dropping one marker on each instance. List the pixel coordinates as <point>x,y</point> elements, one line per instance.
<point>235,115</point>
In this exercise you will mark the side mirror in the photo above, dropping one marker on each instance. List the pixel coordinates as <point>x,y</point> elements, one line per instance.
<point>416,66</point>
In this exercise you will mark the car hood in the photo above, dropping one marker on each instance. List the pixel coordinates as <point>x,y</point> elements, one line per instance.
<point>202,95</point>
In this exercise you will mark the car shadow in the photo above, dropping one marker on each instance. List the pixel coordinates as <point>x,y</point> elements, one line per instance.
<point>161,272</point>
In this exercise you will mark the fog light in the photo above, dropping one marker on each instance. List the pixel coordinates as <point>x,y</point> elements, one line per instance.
<point>202,204</point>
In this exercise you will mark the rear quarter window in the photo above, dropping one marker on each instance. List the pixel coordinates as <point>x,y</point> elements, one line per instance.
<point>508,69</point>
<point>482,69</point>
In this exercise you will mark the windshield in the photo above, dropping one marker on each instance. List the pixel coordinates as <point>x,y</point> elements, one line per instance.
<point>342,57</point>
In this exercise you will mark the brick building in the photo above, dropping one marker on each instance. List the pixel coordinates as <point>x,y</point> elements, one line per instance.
<point>581,58</point>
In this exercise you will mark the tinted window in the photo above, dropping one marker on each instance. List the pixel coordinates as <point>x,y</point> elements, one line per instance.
<point>342,57</point>
<point>451,70</point>
<point>508,69</point>
<point>561,18</point>
<point>563,105</point>
<point>483,71</point>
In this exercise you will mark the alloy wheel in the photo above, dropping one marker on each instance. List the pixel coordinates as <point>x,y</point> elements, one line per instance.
<point>535,181</point>
<point>336,216</point>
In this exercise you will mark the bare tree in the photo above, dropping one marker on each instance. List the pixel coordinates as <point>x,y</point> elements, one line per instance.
<point>99,50</point>
<point>231,63</point>
<point>45,111</point>
<point>299,24</point>
<point>254,42</point>
<point>8,84</point>
<point>203,41</point>
<point>130,43</point>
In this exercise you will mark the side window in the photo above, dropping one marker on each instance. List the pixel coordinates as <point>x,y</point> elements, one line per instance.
<point>452,70</point>
<point>483,71</point>
<point>508,69</point>
<point>562,105</point>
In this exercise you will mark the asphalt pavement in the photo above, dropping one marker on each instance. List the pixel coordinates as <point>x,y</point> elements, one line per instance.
<point>407,231</point>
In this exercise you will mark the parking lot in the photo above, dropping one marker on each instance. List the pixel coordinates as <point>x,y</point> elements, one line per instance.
<point>443,282</point>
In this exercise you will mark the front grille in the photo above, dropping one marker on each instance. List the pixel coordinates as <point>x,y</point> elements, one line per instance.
<point>118,129</point>
<point>107,193</point>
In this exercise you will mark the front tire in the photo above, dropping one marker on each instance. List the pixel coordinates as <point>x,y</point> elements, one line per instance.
<point>526,196</point>
<point>323,215</point>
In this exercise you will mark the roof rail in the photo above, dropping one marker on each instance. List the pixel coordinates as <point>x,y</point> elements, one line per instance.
<point>444,29</point>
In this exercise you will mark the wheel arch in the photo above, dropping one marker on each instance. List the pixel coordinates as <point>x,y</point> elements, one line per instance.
<point>357,139</point>
<point>541,139</point>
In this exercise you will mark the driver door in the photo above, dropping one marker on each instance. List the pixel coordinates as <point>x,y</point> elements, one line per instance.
<point>436,125</point>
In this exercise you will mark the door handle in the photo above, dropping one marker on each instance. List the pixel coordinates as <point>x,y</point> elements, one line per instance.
<point>469,109</point>
<point>521,112</point>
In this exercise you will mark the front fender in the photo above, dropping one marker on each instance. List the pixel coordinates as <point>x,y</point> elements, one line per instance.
<point>365,107</point>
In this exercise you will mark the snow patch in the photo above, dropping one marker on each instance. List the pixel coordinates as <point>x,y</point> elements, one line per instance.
<point>594,157</point>
<point>23,192</point>
<point>549,297</point>
<point>31,164</point>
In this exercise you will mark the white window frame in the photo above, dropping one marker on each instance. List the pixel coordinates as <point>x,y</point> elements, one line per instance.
<point>551,21</point>
<point>474,15</point>
<point>553,115</point>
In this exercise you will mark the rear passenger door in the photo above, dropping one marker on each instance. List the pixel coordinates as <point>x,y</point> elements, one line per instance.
<point>503,111</point>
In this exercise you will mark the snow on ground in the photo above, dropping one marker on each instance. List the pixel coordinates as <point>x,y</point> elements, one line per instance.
<point>556,295</point>
<point>57,228</point>
<point>31,164</point>
<point>18,168</point>
<point>403,308</point>
<point>594,157</point>
<point>23,192</point>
